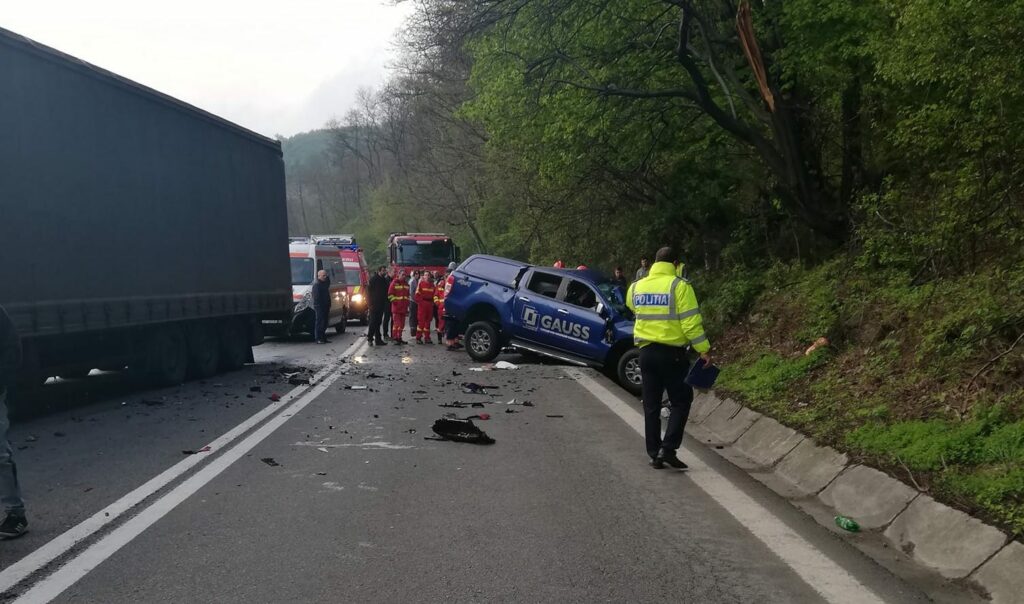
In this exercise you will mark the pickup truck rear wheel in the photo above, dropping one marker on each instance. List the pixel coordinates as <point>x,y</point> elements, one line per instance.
<point>482,341</point>
<point>628,371</point>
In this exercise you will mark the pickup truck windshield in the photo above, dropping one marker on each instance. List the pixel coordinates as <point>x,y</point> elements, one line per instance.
<point>433,253</point>
<point>616,297</point>
<point>302,271</point>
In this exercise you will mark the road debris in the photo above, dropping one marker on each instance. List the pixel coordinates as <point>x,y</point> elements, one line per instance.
<point>270,461</point>
<point>513,402</point>
<point>474,388</point>
<point>322,449</point>
<point>464,431</point>
<point>275,397</point>
<point>296,380</point>
<point>510,410</point>
<point>554,415</point>
<point>193,452</point>
<point>255,389</point>
<point>505,365</point>
<point>355,387</point>
<point>151,403</point>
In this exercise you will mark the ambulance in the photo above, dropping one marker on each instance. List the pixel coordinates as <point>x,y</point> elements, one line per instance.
<point>357,275</point>
<point>307,258</point>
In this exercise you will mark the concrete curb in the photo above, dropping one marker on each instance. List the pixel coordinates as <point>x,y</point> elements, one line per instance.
<point>1000,576</point>
<point>940,539</point>
<point>943,539</point>
<point>768,441</point>
<point>868,495</point>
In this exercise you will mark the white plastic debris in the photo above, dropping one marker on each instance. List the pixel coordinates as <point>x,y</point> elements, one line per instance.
<point>505,365</point>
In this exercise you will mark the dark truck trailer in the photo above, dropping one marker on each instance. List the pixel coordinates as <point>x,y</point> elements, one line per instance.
<point>135,230</point>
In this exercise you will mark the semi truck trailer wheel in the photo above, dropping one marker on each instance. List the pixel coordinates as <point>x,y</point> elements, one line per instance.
<point>166,356</point>
<point>203,350</point>
<point>234,345</point>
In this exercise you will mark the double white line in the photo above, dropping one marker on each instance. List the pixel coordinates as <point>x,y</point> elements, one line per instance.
<point>65,576</point>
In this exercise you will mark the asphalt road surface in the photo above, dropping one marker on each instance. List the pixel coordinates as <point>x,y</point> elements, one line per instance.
<point>334,494</point>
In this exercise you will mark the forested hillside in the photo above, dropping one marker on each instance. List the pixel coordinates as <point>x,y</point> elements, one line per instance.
<point>831,169</point>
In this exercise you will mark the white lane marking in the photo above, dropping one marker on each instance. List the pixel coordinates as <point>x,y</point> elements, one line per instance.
<point>52,586</point>
<point>367,446</point>
<point>819,571</point>
<point>60,545</point>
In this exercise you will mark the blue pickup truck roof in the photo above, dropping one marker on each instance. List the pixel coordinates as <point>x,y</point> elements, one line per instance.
<point>507,272</point>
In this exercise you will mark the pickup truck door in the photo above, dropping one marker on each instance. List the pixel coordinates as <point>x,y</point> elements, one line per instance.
<point>581,300</point>
<point>535,308</point>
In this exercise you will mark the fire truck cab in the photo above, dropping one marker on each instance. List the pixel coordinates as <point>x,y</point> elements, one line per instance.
<point>421,251</point>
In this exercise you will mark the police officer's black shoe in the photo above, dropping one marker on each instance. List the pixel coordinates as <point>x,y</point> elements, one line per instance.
<point>380,343</point>
<point>13,526</point>
<point>669,457</point>
<point>657,463</point>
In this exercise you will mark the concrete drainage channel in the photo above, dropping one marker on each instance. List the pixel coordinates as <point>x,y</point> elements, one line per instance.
<point>899,522</point>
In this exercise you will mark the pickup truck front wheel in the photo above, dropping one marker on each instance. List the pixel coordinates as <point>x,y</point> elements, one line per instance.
<point>482,341</point>
<point>628,371</point>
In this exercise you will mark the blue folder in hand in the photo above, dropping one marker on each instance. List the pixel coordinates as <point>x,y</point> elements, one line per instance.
<point>702,377</point>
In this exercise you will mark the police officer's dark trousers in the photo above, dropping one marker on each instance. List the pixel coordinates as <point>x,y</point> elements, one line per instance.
<point>664,368</point>
<point>320,329</point>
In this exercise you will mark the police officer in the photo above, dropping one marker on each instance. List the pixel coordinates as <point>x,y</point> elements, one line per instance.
<point>668,323</point>
<point>14,523</point>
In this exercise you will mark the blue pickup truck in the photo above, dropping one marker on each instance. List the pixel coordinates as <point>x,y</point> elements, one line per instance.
<point>577,316</point>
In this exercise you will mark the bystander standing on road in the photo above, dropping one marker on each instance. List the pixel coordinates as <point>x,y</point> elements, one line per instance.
<point>643,270</point>
<point>321,306</point>
<point>14,523</point>
<point>668,323</point>
<point>377,296</point>
<point>619,278</point>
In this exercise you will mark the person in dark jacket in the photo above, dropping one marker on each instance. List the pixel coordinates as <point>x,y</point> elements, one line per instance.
<point>321,305</point>
<point>385,325</point>
<point>14,523</point>
<point>377,296</point>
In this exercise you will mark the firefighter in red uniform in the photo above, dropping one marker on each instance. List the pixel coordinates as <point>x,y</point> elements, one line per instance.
<point>424,307</point>
<point>451,339</point>
<point>398,295</point>
<point>439,303</point>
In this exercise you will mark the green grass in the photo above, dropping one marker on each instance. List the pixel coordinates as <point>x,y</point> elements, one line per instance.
<point>895,386</point>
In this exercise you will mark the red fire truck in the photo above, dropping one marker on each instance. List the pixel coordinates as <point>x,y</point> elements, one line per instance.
<point>421,251</point>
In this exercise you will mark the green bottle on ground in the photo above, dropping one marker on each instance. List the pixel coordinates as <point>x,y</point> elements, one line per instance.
<point>847,524</point>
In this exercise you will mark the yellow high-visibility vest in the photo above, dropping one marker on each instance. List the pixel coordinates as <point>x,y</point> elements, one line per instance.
<point>666,310</point>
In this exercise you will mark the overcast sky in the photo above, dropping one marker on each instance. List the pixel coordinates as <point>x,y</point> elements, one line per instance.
<point>275,66</point>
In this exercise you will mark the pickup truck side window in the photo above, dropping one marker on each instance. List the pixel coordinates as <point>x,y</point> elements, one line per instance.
<point>544,284</point>
<point>580,294</point>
